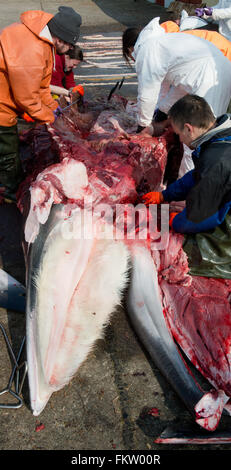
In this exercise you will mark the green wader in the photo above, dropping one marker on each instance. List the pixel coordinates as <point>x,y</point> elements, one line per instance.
<point>11,173</point>
<point>209,253</point>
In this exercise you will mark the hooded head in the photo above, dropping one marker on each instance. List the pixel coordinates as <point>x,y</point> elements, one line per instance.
<point>65,25</point>
<point>191,22</point>
<point>151,30</point>
<point>133,37</point>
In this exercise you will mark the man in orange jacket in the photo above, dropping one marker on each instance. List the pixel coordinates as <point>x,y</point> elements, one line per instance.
<point>27,51</point>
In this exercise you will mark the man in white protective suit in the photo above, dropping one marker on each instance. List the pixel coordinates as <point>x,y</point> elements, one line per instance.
<point>171,65</point>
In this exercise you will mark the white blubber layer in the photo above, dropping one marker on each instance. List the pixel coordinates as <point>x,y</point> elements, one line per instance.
<point>79,284</point>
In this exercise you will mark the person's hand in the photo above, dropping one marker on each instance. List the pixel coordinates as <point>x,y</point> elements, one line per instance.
<point>160,127</point>
<point>199,12</point>
<point>154,197</point>
<point>57,112</point>
<point>79,89</point>
<point>76,95</point>
<point>155,129</point>
<point>172,216</point>
<point>148,130</point>
<point>140,129</point>
<point>204,11</point>
<point>27,118</point>
<point>208,11</point>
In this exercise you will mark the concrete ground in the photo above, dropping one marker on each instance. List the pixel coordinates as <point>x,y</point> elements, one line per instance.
<point>105,407</point>
<point>97,15</point>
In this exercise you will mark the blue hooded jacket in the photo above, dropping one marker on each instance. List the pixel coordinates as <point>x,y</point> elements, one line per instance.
<point>207,188</point>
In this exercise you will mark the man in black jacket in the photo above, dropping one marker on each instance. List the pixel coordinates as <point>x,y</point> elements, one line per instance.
<point>207,188</point>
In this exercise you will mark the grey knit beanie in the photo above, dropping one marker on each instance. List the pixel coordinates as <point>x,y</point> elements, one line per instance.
<point>66,25</point>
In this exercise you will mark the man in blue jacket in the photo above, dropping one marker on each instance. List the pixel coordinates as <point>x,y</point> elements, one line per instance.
<point>207,188</point>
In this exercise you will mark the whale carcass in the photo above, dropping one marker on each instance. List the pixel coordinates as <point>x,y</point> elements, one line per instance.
<point>84,245</point>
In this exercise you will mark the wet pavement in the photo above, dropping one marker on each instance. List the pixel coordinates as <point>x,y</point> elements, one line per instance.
<point>118,400</point>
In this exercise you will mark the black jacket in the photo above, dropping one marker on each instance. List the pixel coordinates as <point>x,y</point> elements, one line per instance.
<point>212,173</point>
<point>207,188</point>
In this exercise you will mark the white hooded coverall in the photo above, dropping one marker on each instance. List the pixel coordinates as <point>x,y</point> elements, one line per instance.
<point>170,65</point>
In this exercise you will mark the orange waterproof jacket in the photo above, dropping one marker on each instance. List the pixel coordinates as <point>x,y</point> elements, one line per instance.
<point>26,62</point>
<point>170,27</point>
<point>216,38</point>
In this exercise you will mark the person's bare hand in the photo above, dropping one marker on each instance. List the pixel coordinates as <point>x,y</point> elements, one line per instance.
<point>148,130</point>
<point>160,127</point>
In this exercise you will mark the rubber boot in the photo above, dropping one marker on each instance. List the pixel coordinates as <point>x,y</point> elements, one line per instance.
<point>11,173</point>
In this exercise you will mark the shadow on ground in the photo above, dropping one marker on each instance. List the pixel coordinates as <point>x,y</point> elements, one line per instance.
<point>127,14</point>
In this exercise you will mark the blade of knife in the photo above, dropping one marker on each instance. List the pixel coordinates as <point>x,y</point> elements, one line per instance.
<point>117,85</point>
<point>69,106</point>
<point>113,91</point>
<point>121,83</point>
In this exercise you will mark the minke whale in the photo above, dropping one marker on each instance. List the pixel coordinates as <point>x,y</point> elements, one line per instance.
<point>75,279</point>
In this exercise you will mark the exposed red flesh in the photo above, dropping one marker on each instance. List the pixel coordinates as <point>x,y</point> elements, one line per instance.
<point>120,167</point>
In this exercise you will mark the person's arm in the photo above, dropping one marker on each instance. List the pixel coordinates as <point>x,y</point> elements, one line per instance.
<point>30,85</point>
<point>164,89</point>
<point>215,12</point>
<point>182,224</point>
<point>221,13</point>
<point>57,90</point>
<point>69,80</point>
<point>146,103</point>
<point>151,70</point>
<point>170,98</point>
<point>176,191</point>
<point>57,71</point>
<point>179,190</point>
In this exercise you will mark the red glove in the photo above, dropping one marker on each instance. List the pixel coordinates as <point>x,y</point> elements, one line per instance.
<point>172,216</point>
<point>78,88</point>
<point>27,118</point>
<point>154,197</point>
